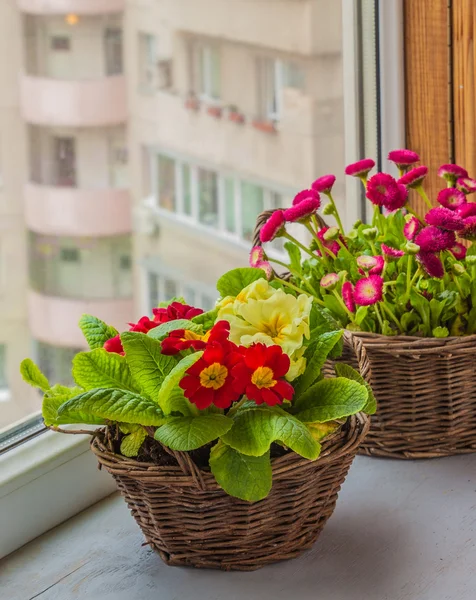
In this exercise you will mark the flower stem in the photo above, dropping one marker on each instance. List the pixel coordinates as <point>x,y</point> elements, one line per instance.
<point>237,406</point>
<point>376,216</point>
<point>392,316</point>
<point>300,290</point>
<point>336,212</point>
<point>422,193</point>
<point>298,244</point>
<point>342,303</point>
<point>413,212</point>
<point>379,316</point>
<point>409,274</point>
<point>324,251</point>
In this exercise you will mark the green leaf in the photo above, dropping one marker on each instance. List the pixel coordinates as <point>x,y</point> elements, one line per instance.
<point>294,257</point>
<point>207,319</point>
<point>166,303</point>
<point>440,332</point>
<point>56,397</point>
<point>246,477</point>
<point>319,431</point>
<point>255,430</point>
<point>114,405</point>
<point>190,433</point>
<point>96,331</point>
<point>331,399</point>
<point>169,397</point>
<point>348,372</point>
<point>31,374</point>
<point>233,282</point>
<point>360,314</point>
<point>148,366</point>
<point>162,331</point>
<point>131,444</point>
<point>335,308</point>
<point>101,369</point>
<point>320,351</point>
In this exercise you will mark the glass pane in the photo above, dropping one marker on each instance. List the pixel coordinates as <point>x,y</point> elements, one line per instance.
<point>252,204</point>
<point>153,289</point>
<point>171,289</point>
<point>214,74</point>
<point>230,214</point>
<point>208,197</point>
<point>187,189</point>
<point>167,193</point>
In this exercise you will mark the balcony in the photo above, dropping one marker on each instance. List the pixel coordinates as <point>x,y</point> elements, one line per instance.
<point>90,103</point>
<point>54,320</point>
<point>80,7</point>
<point>70,211</point>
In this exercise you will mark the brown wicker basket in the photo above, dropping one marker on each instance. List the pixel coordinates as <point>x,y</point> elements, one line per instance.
<point>425,390</point>
<point>190,521</point>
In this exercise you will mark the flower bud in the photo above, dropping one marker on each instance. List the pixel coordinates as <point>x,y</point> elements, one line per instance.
<point>357,224</point>
<point>332,234</point>
<point>471,259</point>
<point>370,233</point>
<point>330,281</point>
<point>353,234</point>
<point>411,248</point>
<point>458,269</point>
<point>328,209</point>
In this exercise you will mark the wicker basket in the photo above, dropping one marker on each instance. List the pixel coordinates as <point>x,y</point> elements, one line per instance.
<point>425,390</point>
<point>190,521</point>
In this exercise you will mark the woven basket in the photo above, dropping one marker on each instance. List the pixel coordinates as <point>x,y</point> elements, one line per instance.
<point>190,521</point>
<point>425,390</point>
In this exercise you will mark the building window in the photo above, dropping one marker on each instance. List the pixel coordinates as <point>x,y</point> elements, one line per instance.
<point>207,68</point>
<point>165,284</point>
<point>60,43</point>
<point>208,197</point>
<point>55,362</point>
<point>64,161</point>
<point>148,61</point>
<point>113,51</point>
<point>70,255</point>
<point>252,204</point>
<point>167,182</point>
<point>3,367</point>
<point>273,77</point>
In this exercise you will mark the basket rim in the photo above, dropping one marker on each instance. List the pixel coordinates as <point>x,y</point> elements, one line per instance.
<point>465,344</point>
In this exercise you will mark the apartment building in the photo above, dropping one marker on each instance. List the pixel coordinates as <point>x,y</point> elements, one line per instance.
<point>139,140</point>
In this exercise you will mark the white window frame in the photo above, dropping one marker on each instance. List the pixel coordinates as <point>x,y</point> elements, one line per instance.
<point>202,70</point>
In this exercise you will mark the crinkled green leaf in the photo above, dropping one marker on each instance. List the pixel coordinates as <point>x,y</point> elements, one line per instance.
<point>246,477</point>
<point>233,282</point>
<point>294,257</point>
<point>101,369</point>
<point>56,397</point>
<point>96,331</point>
<point>348,372</point>
<point>170,399</point>
<point>31,374</point>
<point>131,444</point>
<point>114,405</point>
<point>148,366</point>
<point>255,430</point>
<point>318,353</point>
<point>207,319</point>
<point>190,433</point>
<point>319,431</point>
<point>166,303</point>
<point>162,331</point>
<point>331,399</point>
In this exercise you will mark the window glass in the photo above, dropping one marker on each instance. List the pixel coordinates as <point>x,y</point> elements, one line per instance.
<point>230,208</point>
<point>148,60</point>
<point>252,204</point>
<point>187,189</point>
<point>207,197</point>
<point>167,190</point>
<point>209,72</point>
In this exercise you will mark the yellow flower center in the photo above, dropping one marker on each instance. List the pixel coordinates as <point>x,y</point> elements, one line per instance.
<point>191,335</point>
<point>263,378</point>
<point>213,376</point>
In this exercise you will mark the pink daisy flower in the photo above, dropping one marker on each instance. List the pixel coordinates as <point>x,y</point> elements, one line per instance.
<point>302,211</point>
<point>267,268</point>
<point>467,210</point>
<point>459,251</point>
<point>256,255</point>
<point>403,158</point>
<point>414,178</point>
<point>332,246</point>
<point>383,190</point>
<point>348,296</point>
<point>361,168</point>
<point>330,280</point>
<point>369,290</point>
<point>373,264</point>
<point>451,198</point>
<point>273,227</point>
<point>469,230</point>
<point>445,218</point>
<point>411,228</point>
<point>433,239</point>
<point>452,172</point>
<point>304,195</point>
<point>431,263</point>
<point>324,184</point>
<point>466,185</point>
<point>392,253</point>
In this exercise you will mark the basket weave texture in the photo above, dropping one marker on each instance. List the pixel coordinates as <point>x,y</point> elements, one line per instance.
<point>425,390</point>
<point>190,521</point>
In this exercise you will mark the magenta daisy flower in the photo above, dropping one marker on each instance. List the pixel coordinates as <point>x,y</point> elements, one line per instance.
<point>369,290</point>
<point>403,158</point>
<point>324,184</point>
<point>383,190</point>
<point>367,262</point>
<point>466,184</point>
<point>459,251</point>
<point>274,227</point>
<point>361,168</point>
<point>433,239</point>
<point>445,218</point>
<point>411,228</point>
<point>452,172</point>
<point>304,195</point>
<point>451,198</point>
<point>330,280</point>
<point>431,263</point>
<point>334,247</point>
<point>414,178</point>
<point>392,253</point>
<point>469,230</point>
<point>348,296</point>
<point>256,256</point>
<point>466,210</point>
<point>302,211</point>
